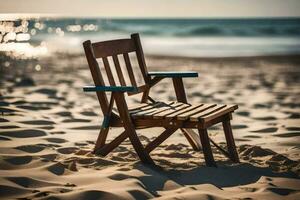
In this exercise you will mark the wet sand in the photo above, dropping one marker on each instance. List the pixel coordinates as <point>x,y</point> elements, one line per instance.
<point>49,127</point>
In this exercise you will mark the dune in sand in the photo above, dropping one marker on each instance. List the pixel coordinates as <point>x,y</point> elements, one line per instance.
<point>47,132</point>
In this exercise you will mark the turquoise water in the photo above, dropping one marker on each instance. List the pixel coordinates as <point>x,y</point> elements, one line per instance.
<point>180,37</point>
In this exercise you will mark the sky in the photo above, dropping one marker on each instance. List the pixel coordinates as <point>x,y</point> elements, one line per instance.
<point>154,8</point>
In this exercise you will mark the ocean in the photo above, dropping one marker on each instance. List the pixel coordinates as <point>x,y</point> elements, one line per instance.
<point>171,37</point>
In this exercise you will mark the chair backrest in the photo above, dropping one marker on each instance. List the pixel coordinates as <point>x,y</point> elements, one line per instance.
<point>113,50</point>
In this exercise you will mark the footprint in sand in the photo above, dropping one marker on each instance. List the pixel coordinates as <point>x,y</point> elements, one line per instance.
<point>31,148</point>
<point>49,157</point>
<point>293,128</point>
<point>9,192</point>
<point>182,155</point>
<point>4,138</point>
<point>243,113</point>
<point>119,177</point>
<point>279,160</point>
<point>265,130</point>
<point>9,127</point>
<point>177,147</point>
<point>3,120</point>
<point>33,107</point>
<point>3,103</point>
<point>289,134</point>
<point>38,122</point>
<point>23,133</point>
<point>86,161</point>
<point>258,105</point>
<point>252,136</point>
<point>294,116</point>
<point>239,126</point>
<point>19,160</point>
<point>76,120</point>
<point>96,127</point>
<point>242,140</point>
<point>97,194</point>
<point>254,151</point>
<point>28,182</point>
<point>64,114</point>
<point>88,113</point>
<point>81,144</point>
<point>161,91</point>
<point>46,127</point>
<point>46,91</point>
<point>57,168</point>
<point>57,132</point>
<point>267,118</point>
<point>56,140</point>
<point>67,150</point>
<point>9,111</point>
<point>103,162</point>
<point>282,191</point>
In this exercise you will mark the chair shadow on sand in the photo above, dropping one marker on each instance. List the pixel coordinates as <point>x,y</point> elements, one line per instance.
<point>155,178</point>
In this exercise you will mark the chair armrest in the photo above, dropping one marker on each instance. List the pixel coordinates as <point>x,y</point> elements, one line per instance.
<point>174,74</point>
<point>110,89</point>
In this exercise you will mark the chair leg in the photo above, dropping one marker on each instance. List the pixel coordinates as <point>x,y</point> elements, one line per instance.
<point>192,138</point>
<point>130,130</point>
<point>138,146</point>
<point>107,148</point>
<point>160,139</point>
<point>230,141</point>
<point>101,139</point>
<point>145,96</point>
<point>208,156</point>
<point>181,97</point>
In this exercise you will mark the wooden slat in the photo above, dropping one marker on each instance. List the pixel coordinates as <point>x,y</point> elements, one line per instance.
<point>153,109</point>
<point>186,115</point>
<point>143,88</point>
<point>148,107</point>
<point>206,112</point>
<point>119,70</point>
<point>96,74</point>
<point>183,111</point>
<point>174,74</point>
<point>222,111</point>
<point>140,57</point>
<point>149,113</point>
<point>113,47</point>
<point>170,111</point>
<point>129,69</point>
<point>108,72</point>
<point>159,110</point>
<point>135,107</point>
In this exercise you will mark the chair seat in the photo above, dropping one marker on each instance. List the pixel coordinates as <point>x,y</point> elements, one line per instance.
<point>180,111</point>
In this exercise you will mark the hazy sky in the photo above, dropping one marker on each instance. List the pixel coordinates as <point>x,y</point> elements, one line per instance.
<point>155,8</point>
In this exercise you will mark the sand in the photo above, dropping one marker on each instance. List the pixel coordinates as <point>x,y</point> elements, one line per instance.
<point>49,127</point>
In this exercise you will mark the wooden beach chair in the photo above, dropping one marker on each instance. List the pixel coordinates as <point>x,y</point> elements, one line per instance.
<point>149,113</point>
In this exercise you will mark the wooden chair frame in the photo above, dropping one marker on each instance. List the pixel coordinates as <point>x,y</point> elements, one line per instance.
<point>124,119</point>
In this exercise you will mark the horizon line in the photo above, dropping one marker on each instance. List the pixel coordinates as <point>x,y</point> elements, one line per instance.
<point>16,16</point>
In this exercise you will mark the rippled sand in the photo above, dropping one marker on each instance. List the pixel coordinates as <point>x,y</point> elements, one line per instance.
<point>47,132</point>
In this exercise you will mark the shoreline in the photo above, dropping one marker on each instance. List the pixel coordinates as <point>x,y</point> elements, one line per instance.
<point>229,58</point>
